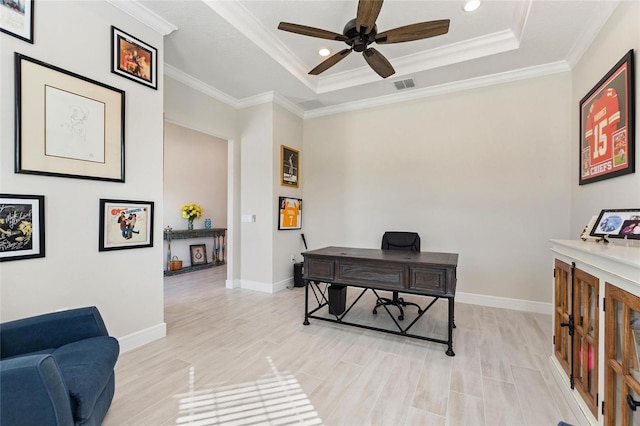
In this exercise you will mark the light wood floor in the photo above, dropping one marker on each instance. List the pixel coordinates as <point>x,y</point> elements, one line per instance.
<point>240,357</point>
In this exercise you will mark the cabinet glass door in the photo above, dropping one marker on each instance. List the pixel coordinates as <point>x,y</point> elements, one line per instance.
<point>622,366</point>
<point>562,314</point>
<point>585,339</point>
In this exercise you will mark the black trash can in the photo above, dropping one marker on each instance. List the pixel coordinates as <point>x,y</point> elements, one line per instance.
<point>297,274</point>
<point>337,299</point>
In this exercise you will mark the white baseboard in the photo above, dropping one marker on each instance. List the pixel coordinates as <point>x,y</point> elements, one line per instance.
<point>142,337</point>
<point>232,284</point>
<point>504,302</point>
<point>266,287</point>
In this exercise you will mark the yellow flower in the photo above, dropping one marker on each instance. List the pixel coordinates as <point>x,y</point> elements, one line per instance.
<point>191,211</point>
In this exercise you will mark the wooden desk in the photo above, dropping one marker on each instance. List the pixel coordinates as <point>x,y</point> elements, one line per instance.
<point>419,273</point>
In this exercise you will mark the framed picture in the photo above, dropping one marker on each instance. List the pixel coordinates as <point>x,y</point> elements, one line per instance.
<point>21,226</point>
<point>607,125</point>
<point>16,19</point>
<point>289,167</point>
<point>617,223</point>
<point>289,213</point>
<point>67,125</point>
<point>198,254</point>
<point>125,224</point>
<point>133,59</point>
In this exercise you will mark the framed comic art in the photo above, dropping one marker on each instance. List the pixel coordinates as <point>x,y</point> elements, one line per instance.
<point>67,125</point>
<point>289,166</point>
<point>125,224</point>
<point>198,254</point>
<point>289,213</point>
<point>21,226</point>
<point>617,223</point>
<point>607,125</point>
<point>133,59</point>
<point>16,19</point>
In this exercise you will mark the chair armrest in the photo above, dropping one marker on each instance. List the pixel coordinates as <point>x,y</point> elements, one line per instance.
<point>50,331</point>
<point>32,392</point>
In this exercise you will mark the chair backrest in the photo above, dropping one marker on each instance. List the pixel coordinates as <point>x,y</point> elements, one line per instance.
<point>408,241</point>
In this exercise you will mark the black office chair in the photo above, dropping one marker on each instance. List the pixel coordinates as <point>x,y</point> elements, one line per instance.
<point>407,241</point>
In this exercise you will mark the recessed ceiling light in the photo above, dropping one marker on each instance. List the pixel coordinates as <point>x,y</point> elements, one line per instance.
<point>471,5</point>
<point>324,52</point>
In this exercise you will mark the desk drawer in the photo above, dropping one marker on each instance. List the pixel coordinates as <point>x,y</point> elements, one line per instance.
<point>429,279</point>
<point>376,275</point>
<point>319,269</point>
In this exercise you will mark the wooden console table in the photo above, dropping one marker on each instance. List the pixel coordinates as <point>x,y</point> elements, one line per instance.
<point>418,273</point>
<point>219,246</point>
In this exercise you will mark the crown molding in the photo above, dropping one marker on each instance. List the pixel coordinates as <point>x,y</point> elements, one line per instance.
<point>589,34</point>
<point>144,15</point>
<point>458,86</point>
<point>238,16</point>
<point>490,44</point>
<point>271,97</point>
<point>194,83</point>
<point>268,97</point>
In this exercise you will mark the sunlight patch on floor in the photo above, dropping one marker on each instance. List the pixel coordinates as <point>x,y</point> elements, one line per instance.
<point>274,400</point>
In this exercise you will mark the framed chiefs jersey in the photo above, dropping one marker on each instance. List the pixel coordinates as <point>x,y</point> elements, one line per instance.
<point>607,125</point>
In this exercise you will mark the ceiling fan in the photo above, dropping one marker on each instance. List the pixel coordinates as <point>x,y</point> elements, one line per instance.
<point>360,32</point>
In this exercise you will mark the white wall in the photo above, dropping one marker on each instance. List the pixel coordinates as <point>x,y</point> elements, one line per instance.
<point>195,172</point>
<point>126,285</point>
<point>257,171</point>
<point>484,173</point>
<point>618,36</point>
<point>287,130</point>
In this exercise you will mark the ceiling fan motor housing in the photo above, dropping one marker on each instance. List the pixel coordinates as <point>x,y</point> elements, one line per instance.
<point>358,41</point>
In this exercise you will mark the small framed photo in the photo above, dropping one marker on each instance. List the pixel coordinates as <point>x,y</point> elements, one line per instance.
<point>67,125</point>
<point>617,223</point>
<point>289,213</point>
<point>21,226</point>
<point>607,125</point>
<point>198,254</point>
<point>16,19</point>
<point>133,59</point>
<point>289,167</point>
<point>125,224</point>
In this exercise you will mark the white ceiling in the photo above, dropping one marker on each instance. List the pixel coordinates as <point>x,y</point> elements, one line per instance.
<point>233,50</point>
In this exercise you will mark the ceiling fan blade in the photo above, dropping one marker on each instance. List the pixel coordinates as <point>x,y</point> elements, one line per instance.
<point>368,11</point>
<point>311,32</point>
<point>378,62</point>
<point>330,61</point>
<point>414,32</point>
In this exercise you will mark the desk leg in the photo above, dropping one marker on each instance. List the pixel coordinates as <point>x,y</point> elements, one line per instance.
<point>451,325</point>
<point>306,302</point>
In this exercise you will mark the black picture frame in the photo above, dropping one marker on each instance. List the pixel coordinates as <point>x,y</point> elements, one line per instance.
<point>289,166</point>
<point>289,213</point>
<point>67,125</point>
<point>17,19</point>
<point>22,223</point>
<point>125,224</point>
<point>198,254</point>
<point>607,125</point>
<point>133,59</point>
<point>617,223</point>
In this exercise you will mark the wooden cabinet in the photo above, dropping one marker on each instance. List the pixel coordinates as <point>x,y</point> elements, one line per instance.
<point>594,357</point>
<point>218,256</point>
<point>622,366</point>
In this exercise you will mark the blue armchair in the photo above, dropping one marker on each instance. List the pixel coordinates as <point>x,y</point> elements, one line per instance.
<point>57,369</point>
